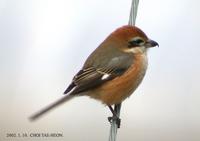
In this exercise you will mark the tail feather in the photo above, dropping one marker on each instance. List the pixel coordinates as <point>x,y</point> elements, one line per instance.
<point>70,87</point>
<point>50,107</point>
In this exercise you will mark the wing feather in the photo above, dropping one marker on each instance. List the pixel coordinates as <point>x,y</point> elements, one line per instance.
<point>95,73</point>
<point>90,78</point>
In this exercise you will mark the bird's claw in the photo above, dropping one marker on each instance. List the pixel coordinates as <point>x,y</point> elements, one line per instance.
<point>115,118</point>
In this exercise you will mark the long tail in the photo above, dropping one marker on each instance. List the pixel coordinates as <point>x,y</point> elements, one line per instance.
<point>51,106</point>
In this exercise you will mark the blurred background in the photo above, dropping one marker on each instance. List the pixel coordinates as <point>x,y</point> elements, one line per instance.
<point>43,43</point>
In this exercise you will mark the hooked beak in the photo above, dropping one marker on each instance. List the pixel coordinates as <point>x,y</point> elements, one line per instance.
<point>151,43</point>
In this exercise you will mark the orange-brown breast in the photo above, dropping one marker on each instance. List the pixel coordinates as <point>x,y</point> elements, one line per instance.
<point>118,89</point>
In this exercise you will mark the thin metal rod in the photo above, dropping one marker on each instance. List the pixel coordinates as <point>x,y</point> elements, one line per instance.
<point>133,13</point>
<point>114,126</point>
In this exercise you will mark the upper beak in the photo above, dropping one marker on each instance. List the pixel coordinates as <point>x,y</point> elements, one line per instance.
<point>151,43</point>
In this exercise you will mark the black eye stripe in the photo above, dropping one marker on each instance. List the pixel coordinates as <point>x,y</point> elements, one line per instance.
<point>135,42</point>
<point>138,41</point>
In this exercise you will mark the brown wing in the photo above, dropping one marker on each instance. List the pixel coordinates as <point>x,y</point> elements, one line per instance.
<point>90,78</point>
<point>97,71</point>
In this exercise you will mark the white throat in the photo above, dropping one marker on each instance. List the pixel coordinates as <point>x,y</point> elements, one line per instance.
<point>137,50</point>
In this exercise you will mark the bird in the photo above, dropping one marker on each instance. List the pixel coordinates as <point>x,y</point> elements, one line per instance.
<point>112,72</point>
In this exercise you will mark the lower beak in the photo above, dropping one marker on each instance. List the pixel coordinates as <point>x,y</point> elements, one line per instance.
<point>151,43</point>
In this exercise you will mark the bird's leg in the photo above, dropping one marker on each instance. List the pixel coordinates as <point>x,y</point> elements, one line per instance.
<point>114,117</point>
<point>112,110</point>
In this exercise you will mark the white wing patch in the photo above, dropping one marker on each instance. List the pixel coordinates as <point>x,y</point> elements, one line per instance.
<point>105,76</point>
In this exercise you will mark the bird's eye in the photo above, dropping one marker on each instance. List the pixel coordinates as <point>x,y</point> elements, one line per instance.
<point>136,42</point>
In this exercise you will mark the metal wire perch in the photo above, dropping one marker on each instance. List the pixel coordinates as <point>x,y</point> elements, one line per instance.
<point>115,121</point>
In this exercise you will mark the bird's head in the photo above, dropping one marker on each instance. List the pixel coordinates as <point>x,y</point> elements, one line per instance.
<point>132,39</point>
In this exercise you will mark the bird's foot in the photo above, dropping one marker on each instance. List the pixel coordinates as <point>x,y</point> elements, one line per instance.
<point>116,119</point>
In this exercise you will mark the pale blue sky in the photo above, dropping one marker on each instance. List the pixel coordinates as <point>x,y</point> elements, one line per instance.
<point>43,43</point>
